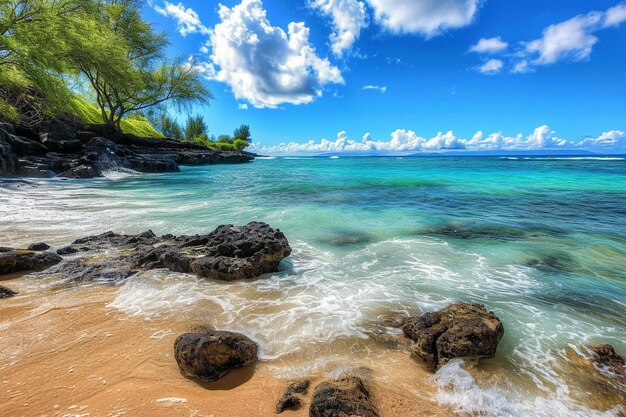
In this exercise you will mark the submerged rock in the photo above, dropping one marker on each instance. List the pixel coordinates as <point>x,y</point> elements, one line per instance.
<point>292,398</point>
<point>6,292</point>
<point>344,397</point>
<point>608,361</point>
<point>18,260</point>
<point>458,331</point>
<point>39,247</point>
<point>468,231</point>
<point>213,354</point>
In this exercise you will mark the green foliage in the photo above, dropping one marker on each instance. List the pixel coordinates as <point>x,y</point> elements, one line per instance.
<point>242,133</point>
<point>240,145</point>
<point>136,125</point>
<point>225,139</point>
<point>105,45</point>
<point>195,127</point>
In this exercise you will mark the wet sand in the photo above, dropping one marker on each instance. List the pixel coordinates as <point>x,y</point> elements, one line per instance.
<point>65,353</point>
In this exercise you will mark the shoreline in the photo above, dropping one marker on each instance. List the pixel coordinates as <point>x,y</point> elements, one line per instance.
<point>74,355</point>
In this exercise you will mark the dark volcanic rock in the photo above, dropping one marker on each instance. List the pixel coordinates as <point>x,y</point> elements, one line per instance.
<point>457,331</point>
<point>6,293</point>
<point>345,397</point>
<point>110,155</point>
<point>81,172</point>
<point>292,398</point>
<point>38,247</point>
<point>61,138</point>
<point>8,161</point>
<point>18,260</point>
<point>84,151</point>
<point>211,355</point>
<point>228,253</point>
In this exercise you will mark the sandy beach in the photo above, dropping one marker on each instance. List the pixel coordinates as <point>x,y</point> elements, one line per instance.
<point>65,353</point>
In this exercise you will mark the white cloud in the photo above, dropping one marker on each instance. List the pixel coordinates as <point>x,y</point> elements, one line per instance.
<point>187,19</point>
<point>610,138</point>
<point>382,89</point>
<point>242,106</point>
<point>263,64</point>
<point>615,15</point>
<point>569,39</point>
<point>407,141</point>
<point>426,17</point>
<point>489,46</point>
<point>349,17</point>
<point>521,67</point>
<point>493,66</point>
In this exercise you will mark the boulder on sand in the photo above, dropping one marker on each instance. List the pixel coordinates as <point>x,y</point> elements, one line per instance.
<point>6,293</point>
<point>292,398</point>
<point>18,260</point>
<point>212,354</point>
<point>346,396</point>
<point>458,331</point>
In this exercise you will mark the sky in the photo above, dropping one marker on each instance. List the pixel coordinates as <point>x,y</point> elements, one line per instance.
<point>407,76</point>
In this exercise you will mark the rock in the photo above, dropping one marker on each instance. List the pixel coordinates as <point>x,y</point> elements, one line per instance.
<point>457,331</point>
<point>211,355</point>
<point>242,252</point>
<point>67,250</point>
<point>8,161</point>
<point>81,172</point>
<point>61,138</point>
<point>292,398</point>
<point>38,247</point>
<point>608,361</point>
<point>114,156</point>
<point>6,293</point>
<point>344,397</point>
<point>228,253</point>
<point>18,260</point>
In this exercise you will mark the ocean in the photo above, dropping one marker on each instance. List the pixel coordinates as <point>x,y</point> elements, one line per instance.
<point>540,241</point>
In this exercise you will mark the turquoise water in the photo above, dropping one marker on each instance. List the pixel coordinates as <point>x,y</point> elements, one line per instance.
<point>542,242</point>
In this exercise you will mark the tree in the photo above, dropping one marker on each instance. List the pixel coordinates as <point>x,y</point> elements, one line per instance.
<point>145,79</point>
<point>243,133</point>
<point>224,139</point>
<point>169,127</point>
<point>195,127</point>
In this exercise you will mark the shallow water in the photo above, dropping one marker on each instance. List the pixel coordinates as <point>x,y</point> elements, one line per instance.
<point>542,242</point>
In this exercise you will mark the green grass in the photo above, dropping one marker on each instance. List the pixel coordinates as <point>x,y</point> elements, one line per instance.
<point>88,113</point>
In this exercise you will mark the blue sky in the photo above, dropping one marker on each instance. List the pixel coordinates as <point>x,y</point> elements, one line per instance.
<point>408,75</point>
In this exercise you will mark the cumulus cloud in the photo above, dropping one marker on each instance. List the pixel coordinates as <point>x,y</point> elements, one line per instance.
<point>263,64</point>
<point>349,17</point>
<point>187,19</point>
<point>426,17</point>
<point>489,46</point>
<point>572,39</point>
<point>615,15</point>
<point>242,106</point>
<point>493,66</point>
<point>407,141</point>
<point>382,89</point>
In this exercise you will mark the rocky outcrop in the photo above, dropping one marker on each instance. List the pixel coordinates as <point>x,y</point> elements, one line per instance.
<point>609,362</point>
<point>457,331</point>
<point>346,396</point>
<point>293,396</point>
<point>38,247</point>
<point>19,260</point>
<point>228,253</point>
<point>213,354</point>
<point>6,293</point>
<point>73,151</point>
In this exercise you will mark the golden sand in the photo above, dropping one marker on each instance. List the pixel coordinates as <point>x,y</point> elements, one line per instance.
<point>65,353</point>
